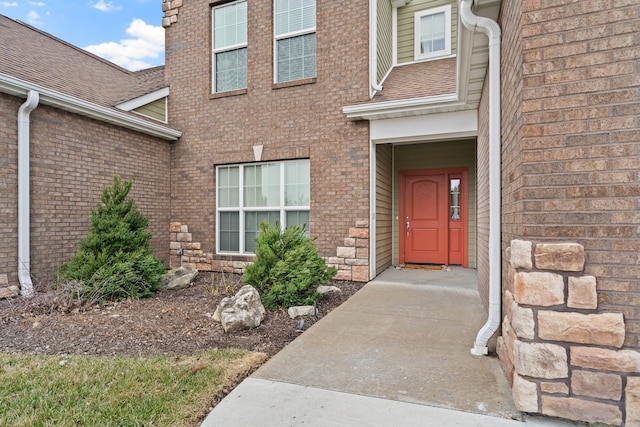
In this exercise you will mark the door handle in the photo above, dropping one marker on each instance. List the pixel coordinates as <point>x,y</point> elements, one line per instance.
<point>406,227</point>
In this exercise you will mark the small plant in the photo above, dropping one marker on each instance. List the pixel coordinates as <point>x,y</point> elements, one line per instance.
<point>223,284</point>
<point>287,270</point>
<point>114,261</point>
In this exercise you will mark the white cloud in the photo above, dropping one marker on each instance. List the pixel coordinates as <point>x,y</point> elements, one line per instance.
<point>133,54</point>
<point>106,6</point>
<point>33,18</point>
<point>37,3</point>
<point>9,4</point>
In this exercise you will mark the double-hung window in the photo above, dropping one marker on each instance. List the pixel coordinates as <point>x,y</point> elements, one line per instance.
<point>230,46</point>
<point>295,40</point>
<point>433,33</point>
<point>251,193</point>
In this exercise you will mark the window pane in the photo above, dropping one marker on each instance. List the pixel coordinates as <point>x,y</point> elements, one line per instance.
<point>230,25</point>
<point>296,186</point>
<point>228,187</point>
<point>262,185</point>
<point>229,231</point>
<point>296,58</point>
<point>432,33</point>
<point>294,15</point>
<point>299,218</point>
<point>252,222</point>
<point>231,70</point>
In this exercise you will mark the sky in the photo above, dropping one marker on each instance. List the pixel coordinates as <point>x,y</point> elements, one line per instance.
<point>126,32</point>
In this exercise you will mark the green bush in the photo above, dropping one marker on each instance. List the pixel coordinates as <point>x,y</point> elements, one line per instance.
<point>287,269</point>
<point>114,261</point>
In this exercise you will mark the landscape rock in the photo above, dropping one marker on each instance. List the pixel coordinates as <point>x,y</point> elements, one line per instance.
<point>178,278</point>
<point>328,289</point>
<point>242,311</point>
<point>300,311</point>
<point>9,292</point>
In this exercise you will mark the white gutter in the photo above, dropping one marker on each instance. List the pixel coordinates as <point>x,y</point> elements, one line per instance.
<point>492,30</point>
<point>18,87</point>
<point>24,208</point>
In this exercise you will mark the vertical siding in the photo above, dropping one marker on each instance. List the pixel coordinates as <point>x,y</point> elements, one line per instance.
<point>156,110</point>
<point>384,38</point>
<point>433,156</point>
<point>406,16</point>
<point>384,207</point>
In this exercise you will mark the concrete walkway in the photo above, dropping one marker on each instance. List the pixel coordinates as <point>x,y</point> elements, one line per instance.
<point>396,353</point>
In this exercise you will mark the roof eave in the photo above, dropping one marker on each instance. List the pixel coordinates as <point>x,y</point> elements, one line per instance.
<point>17,87</point>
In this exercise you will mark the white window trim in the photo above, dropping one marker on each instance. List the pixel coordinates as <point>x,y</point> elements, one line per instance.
<point>447,36</point>
<point>289,35</point>
<point>241,209</point>
<point>215,51</point>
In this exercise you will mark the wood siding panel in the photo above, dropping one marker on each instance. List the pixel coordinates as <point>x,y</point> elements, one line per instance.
<point>384,208</point>
<point>384,39</point>
<point>406,17</point>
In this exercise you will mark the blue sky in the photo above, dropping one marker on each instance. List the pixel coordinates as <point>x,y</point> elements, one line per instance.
<point>127,32</point>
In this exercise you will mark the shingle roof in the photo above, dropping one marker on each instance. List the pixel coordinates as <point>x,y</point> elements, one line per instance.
<point>40,58</point>
<point>419,80</point>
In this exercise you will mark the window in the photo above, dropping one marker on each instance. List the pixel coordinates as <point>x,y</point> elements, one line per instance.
<point>433,33</point>
<point>249,194</point>
<point>230,47</point>
<point>295,40</point>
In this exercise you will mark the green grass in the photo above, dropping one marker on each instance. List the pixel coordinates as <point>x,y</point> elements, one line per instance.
<point>116,391</point>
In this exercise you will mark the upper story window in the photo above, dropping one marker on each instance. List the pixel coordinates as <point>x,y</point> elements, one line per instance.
<point>295,40</point>
<point>230,46</point>
<point>433,33</point>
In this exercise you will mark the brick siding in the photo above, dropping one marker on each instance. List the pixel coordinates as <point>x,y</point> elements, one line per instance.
<point>571,137</point>
<point>72,159</point>
<point>299,121</point>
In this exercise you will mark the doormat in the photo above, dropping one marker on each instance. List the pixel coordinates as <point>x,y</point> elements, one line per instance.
<point>424,266</point>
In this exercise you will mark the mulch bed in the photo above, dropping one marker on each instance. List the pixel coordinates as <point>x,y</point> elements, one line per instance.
<point>177,322</point>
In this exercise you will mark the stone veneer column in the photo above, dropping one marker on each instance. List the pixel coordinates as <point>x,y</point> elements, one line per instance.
<point>563,357</point>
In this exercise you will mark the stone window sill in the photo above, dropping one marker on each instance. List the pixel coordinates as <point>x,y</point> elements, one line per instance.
<point>294,83</point>
<point>227,94</point>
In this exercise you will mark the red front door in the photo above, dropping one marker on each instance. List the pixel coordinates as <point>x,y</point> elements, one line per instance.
<point>433,217</point>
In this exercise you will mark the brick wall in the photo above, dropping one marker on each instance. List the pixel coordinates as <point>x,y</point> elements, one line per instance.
<point>72,159</point>
<point>571,141</point>
<point>303,121</point>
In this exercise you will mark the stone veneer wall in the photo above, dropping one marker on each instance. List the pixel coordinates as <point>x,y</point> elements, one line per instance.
<point>562,355</point>
<point>351,260</point>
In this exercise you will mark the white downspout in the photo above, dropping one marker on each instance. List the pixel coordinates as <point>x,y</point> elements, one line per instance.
<point>373,48</point>
<point>492,30</point>
<point>24,208</point>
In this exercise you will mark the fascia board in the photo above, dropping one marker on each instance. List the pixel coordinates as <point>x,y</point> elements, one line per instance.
<point>17,87</point>
<point>381,110</point>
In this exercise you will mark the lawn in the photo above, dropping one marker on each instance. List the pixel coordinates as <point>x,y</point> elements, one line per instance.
<point>117,391</point>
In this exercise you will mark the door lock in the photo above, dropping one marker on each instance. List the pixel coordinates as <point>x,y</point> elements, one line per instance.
<point>406,227</point>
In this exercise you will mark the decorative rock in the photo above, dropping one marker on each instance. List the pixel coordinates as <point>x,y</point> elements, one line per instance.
<point>581,410</point>
<point>178,278</point>
<point>525,394</point>
<point>601,329</point>
<point>596,384</point>
<point>9,292</point>
<point>540,360</point>
<point>242,311</point>
<point>521,254</point>
<point>632,398</point>
<point>300,311</point>
<point>328,289</point>
<point>605,359</point>
<point>582,293</point>
<point>537,288</point>
<point>522,321</point>
<point>559,256</point>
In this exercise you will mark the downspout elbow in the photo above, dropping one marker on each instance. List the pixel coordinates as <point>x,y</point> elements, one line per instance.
<point>24,208</point>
